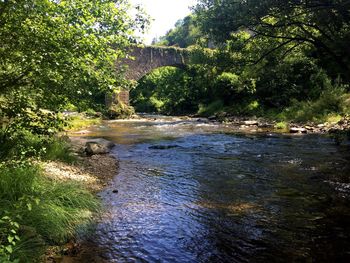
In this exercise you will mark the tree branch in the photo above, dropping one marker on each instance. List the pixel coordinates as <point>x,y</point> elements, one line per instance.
<point>272,50</point>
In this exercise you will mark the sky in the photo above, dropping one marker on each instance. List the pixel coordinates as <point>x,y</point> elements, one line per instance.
<point>164,13</point>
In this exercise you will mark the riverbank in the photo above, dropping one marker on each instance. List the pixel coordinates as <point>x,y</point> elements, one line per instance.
<point>338,126</point>
<point>93,172</point>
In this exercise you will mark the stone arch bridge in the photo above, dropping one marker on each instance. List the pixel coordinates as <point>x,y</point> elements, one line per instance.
<point>142,60</point>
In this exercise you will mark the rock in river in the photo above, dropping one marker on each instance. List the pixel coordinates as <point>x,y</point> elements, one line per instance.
<point>163,147</point>
<point>297,130</point>
<point>98,146</point>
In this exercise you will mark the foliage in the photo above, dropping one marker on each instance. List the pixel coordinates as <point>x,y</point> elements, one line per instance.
<point>36,211</point>
<point>22,144</point>
<point>323,26</point>
<point>58,148</point>
<point>19,110</point>
<point>269,56</point>
<point>59,53</point>
<point>168,90</point>
<point>79,121</point>
<point>332,103</point>
<point>281,125</point>
<point>185,33</point>
<point>211,109</point>
<point>120,111</point>
<point>63,47</point>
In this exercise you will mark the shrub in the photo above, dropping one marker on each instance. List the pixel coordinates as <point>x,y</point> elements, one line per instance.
<point>332,102</point>
<point>22,144</point>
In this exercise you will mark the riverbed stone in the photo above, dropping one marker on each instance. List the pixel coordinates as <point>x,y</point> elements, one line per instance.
<point>163,147</point>
<point>297,130</point>
<point>250,122</point>
<point>98,146</point>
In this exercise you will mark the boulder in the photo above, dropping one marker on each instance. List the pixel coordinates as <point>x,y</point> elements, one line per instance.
<point>98,146</point>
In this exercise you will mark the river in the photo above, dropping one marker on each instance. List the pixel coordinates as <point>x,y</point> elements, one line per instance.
<point>190,191</point>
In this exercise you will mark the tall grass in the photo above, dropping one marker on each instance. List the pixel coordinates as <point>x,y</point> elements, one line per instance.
<point>46,212</point>
<point>36,211</point>
<point>58,148</point>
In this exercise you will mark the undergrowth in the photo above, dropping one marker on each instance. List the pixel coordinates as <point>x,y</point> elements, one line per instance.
<point>78,122</point>
<point>332,104</point>
<point>36,212</point>
<point>23,144</point>
<point>329,107</point>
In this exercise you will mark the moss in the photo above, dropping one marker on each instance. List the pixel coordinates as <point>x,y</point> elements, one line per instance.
<point>281,125</point>
<point>120,111</point>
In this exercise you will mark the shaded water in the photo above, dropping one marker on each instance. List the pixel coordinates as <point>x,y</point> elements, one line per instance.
<point>196,192</point>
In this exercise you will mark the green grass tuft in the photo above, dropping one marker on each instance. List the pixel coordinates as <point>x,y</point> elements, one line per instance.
<point>46,212</point>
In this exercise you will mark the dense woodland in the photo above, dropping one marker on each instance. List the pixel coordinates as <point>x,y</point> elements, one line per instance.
<point>288,60</point>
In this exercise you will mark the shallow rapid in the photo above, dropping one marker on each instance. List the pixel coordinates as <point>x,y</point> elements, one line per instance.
<point>191,191</point>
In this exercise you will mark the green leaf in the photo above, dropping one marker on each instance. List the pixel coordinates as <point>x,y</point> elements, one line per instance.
<point>9,249</point>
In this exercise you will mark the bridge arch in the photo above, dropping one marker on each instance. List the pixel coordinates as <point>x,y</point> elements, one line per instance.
<point>142,60</point>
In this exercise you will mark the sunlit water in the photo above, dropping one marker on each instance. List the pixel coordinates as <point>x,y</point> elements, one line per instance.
<point>194,192</point>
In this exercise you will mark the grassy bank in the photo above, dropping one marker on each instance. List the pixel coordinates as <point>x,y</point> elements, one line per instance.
<point>330,107</point>
<point>37,210</point>
<point>81,121</point>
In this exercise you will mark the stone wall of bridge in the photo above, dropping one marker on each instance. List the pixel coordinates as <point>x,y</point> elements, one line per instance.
<point>143,59</point>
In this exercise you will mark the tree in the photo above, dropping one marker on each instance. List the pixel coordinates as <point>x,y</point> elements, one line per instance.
<point>185,33</point>
<point>63,48</point>
<point>323,25</point>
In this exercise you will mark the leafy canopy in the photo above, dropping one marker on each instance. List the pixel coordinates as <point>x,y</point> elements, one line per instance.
<point>63,48</point>
<point>323,25</point>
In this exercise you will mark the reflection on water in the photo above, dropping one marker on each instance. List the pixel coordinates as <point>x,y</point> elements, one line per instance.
<point>215,196</point>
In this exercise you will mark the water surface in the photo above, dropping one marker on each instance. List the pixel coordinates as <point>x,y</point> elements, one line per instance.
<point>189,191</point>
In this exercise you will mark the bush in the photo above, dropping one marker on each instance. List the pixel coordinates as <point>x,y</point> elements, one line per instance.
<point>23,144</point>
<point>332,102</point>
<point>20,111</point>
<point>120,111</point>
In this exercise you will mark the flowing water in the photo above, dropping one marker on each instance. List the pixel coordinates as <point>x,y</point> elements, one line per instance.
<point>188,191</point>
